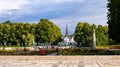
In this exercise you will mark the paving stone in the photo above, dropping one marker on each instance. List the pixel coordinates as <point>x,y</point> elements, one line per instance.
<point>58,63</point>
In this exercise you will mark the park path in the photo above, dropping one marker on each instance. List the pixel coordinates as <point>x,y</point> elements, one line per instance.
<point>60,61</point>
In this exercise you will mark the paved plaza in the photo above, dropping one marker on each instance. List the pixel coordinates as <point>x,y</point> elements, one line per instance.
<point>26,62</point>
<point>58,63</point>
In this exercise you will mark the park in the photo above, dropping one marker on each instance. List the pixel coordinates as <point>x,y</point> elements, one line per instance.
<point>45,38</point>
<point>60,38</point>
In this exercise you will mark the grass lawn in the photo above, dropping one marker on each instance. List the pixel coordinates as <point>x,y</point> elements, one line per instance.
<point>106,46</point>
<point>12,47</point>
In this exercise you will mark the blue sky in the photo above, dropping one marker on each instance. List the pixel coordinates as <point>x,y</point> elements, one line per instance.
<point>61,12</point>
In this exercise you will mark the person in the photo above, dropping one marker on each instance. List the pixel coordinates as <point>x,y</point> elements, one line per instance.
<point>42,52</point>
<point>25,49</point>
<point>57,50</point>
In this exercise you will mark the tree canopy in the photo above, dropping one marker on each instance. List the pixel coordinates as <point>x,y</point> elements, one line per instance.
<point>23,34</point>
<point>114,20</point>
<point>84,31</point>
<point>47,31</point>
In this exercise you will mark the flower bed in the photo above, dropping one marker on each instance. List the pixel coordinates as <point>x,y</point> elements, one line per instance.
<point>24,52</point>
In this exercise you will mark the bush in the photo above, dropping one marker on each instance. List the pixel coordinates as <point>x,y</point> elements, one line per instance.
<point>69,51</point>
<point>87,51</point>
<point>22,52</point>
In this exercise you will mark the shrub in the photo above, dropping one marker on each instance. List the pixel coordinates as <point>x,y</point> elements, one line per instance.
<point>22,52</point>
<point>87,51</point>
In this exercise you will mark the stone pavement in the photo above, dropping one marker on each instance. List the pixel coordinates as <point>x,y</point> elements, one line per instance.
<point>41,62</point>
<point>58,63</point>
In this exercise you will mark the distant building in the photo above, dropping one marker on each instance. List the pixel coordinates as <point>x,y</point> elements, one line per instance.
<point>68,39</point>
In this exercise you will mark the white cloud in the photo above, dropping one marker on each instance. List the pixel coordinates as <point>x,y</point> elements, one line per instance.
<point>62,12</point>
<point>72,21</point>
<point>61,1</point>
<point>54,1</point>
<point>39,6</point>
<point>9,7</point>
<point>12,4</point>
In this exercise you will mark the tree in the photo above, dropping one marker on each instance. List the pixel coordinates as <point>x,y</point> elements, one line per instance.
<point>28,39</point>
<point>83,34</point>
<point>102,35</point>
<point>114,20</point>
<point>23,34</point>
<point>8,22</point>
<point>1,33</point>
<point>84,31</point>
<point>47,31</point>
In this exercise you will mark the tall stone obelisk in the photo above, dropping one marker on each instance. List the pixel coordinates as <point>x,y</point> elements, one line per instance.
<point>94,39</point>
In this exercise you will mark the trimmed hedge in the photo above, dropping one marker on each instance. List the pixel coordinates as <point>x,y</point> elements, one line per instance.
<point>87,51</point>
<point>69,51</point>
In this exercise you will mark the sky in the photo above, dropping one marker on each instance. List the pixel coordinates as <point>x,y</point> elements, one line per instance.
<point>61,12</point>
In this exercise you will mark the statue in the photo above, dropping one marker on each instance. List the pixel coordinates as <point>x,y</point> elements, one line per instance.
<point>94,39</point>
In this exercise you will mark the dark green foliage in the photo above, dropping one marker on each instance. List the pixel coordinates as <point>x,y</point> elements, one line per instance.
<point>8,22</point>
<point>88,51</point>
<point>114,20</point>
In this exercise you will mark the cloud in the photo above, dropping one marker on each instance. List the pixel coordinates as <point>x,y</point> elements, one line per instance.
<point>12,4</point>
<point>61,12</point>
<point>10,8</point>
<point>28,9</point>
<point>73,21</point>
<point>62,1</point>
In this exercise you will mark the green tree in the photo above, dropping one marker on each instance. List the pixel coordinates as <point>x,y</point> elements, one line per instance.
<point>83,34</point>
<point>102,35</point>
<point>114,20</point>
<point>23,34</point>
<point>1,33</point>
<point>8,22</point>
<point>84,31</point>
<point>47,31</point>
<point>28,39</point>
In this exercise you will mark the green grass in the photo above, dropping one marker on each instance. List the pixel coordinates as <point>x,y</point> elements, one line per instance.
<point>12,47</point>
<point>106,46</point>
<point>99,47</point>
